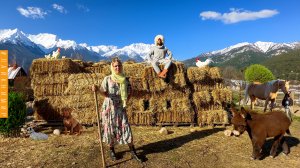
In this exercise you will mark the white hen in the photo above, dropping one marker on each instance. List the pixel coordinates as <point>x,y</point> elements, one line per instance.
<point>56,54</point>
<point>48,56</point>
<point>202,64</point>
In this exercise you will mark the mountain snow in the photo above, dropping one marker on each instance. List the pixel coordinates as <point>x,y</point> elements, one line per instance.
<point>264,46</point>
<point>102,49</point>
<point>46,40</point>
<point>14,36</point>
<point>49,42</point>
<point>258,46</point>
<point>132,51</point>
<point>226,50</point>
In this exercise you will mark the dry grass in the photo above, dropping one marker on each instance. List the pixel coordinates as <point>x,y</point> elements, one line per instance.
<point>206,147</point>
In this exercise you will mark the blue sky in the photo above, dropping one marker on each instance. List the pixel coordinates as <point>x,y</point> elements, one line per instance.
<point>190,27</point>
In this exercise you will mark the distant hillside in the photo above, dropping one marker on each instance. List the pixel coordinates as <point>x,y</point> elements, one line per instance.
<point>244,54</point>
<point>281,58</point>
<point>21,54</point>
<point>285,66</point>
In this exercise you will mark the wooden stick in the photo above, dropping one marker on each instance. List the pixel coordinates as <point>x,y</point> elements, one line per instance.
<point>99,129</point>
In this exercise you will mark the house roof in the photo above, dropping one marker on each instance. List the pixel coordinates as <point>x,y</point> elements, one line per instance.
<point>13,72</point>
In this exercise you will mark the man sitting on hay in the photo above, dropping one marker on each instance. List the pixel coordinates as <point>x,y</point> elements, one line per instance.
<point>157,56</point>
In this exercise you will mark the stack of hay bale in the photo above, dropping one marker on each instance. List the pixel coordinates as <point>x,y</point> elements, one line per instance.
<point>79,91</point>
<point>49,80</point>
<point>209,95</point>
<point>155,100</point>
<point>183,98</point>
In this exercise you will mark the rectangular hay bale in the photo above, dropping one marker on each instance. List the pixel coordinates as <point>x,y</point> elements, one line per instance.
<point>45,66</point>
<point>212,117</point>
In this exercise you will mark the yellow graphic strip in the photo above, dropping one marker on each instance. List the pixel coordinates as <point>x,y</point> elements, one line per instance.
<point>3,83</point>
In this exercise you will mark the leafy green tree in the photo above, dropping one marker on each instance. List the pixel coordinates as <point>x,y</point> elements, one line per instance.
<point>16,115</point>
<point>258,73</point>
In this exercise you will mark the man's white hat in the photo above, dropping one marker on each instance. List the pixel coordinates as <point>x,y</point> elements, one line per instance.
<point>159,37</point>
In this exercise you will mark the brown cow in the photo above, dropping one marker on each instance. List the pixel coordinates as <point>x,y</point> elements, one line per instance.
<point>261,126</point>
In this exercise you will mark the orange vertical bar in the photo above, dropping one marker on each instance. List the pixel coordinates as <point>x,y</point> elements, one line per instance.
<point>4,84</point>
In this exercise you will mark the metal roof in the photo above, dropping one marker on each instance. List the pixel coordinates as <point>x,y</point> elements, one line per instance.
<point>13,72</point>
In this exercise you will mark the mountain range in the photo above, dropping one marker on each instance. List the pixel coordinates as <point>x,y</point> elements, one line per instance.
<point>23,48</point>
<point>244,54</point>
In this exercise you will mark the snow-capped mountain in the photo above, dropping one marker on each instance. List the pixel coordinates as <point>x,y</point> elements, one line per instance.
<point>137,51</point>
<point>38,45</point>
<point>243,54</point>
<point>14,36</point>
<point>49,42</point>
<point>101,49</point>
<point>45,41</point>
<point>259,46</point>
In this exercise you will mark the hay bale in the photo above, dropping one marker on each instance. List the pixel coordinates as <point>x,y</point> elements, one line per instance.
<point>141,118</point>
<point>204,75</point>
<point>45,90</point>
<point>80,101</point>
<point>177,67</point>
<point>156,85</point>
<point>212,117</point>
<point>197,87</point>
<point>214,73</point>
<point>102,67</point>
<point>138,84</point>
<point>221,95</point>
<point>179,80</point>
<point>202,97</point>
<point>135,70</point>
<point>196,74</point>
<point>50,78</point>
<point>172,116</point>
<point>181,104</point>
<point>45,66</point>
<point>81,83</point>
<point>165,107</point>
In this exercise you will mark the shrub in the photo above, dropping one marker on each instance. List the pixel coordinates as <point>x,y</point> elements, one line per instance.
<point>258,73</point>
<point>10,127</point>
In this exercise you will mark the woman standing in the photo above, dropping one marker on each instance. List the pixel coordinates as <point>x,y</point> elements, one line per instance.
<point>115,126</point>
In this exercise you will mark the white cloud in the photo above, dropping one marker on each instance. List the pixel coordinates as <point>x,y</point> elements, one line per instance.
<point>83,8</point>
<point>32,12</point>
<point>59,8</point>
<point>237,15</point>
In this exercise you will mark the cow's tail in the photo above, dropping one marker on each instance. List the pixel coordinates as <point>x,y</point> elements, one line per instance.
<point>246,94</point>
<point>288,132</point>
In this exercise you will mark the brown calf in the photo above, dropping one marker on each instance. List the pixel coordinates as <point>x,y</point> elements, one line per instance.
<point>260,126</point>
